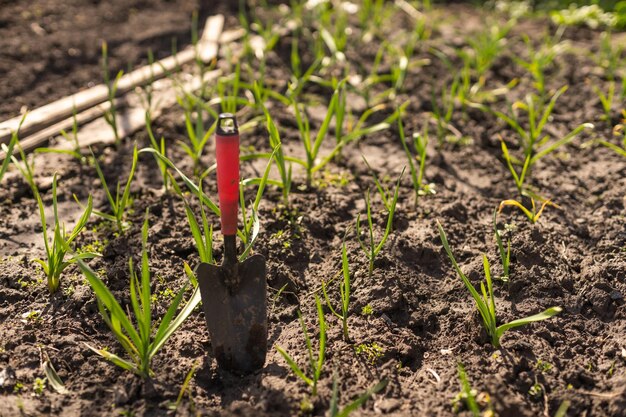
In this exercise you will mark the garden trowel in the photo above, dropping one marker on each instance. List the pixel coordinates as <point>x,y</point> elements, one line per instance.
<point>233,294</point>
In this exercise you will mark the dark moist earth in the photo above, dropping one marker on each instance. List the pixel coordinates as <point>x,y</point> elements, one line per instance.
<point>422,319</point>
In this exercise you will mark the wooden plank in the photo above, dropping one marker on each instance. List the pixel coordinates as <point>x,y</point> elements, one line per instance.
<point>39,138</point>
<point>56,111</point>
<point>132,118</point>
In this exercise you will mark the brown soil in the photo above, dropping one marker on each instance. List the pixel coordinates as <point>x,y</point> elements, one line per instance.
<point>423,318</point>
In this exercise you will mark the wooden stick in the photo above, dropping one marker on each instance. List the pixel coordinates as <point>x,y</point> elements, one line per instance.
<point>56,111</point>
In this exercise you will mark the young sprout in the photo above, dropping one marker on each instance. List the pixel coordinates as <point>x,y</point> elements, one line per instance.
<point>356,403</point>
<point>312,148</point>
<point>370,18</point>
<point>110,115</point>
<point>315,364</point>
<point>58,247</point>
<point>618,130</point>
<point>533,214</point>
<point>267,40</point>
<point>372,249</point>
<point>122,201</point>
<point>203,238</point>
<point>159,147</point>
<point>8,151</point>
<point>606,100</point>
<point>532,141</point>
<point>442,113</point>
<point>608,56</point>
<point>467,394</point>
<point>27,169</point>
<point>486,47</point>
<point>191,186</point>
<point>251,224</point>
<point>228,99</point>
<point>299,78</point>
<point>505,254</point>
<point>420,143</point>
<point>142,340</point>
<point>485,301</point>
<point>198,136</point>
<point>539,59</point>
<point>344,291</point>
<point>73,139</point>
<point>275,142</point>
<point>335,20</point>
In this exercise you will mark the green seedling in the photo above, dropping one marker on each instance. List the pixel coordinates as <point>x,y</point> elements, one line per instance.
<point>333,31</point>
<point>284,170</point>
<point>533,214</point>
<point>354,132</point>
<point>618,131</point>
<point>606,100</point>
<point>420,143</point>
<point>486,46</point>
<point>334,410</point>
<point>477,59</point>
<point>198,136</point>
<point>341,108</point>
<point>394,79</point>
<point>485,301</point>
<point>316,364</point>
<point>147,91</point>
<point>159,147</point>
<point>75,152</point>
<point>191,186</point>
<point>398,72</point>
<point>467,394</point>
<point>444,110</point>
<point>533,143</point>
<point>539,59</point>
<point>26,168</point>
<point>122,201</point>
<point>418,37</point>
<point>608,56</point>
<point>372,249</point>
<point>184,388</point>
<point>203,238</point>
<point>251,224</point>
<point>373,78</point>
<point>200,65</point>
<point>110,115</point>
<point>371,15</point>
<point>299,78</point>
<point>267,32</point>
<point>142,342</point>
<point>311,147</point>
<point>56,247</point>
<point>505,253</point>
<point>8,150</point>
<point>230,99</point>
<point>344,291</point>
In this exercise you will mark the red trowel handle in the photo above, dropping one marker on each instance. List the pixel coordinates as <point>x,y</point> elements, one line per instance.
<point>227,155</point>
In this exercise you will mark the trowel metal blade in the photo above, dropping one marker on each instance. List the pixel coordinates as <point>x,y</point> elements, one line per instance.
<point>237,322</point>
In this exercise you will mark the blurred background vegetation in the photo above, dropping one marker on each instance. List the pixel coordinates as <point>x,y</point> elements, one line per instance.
<point>609,14</point>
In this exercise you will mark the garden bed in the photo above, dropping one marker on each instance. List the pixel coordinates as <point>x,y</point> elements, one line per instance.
<point>411,320</point>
